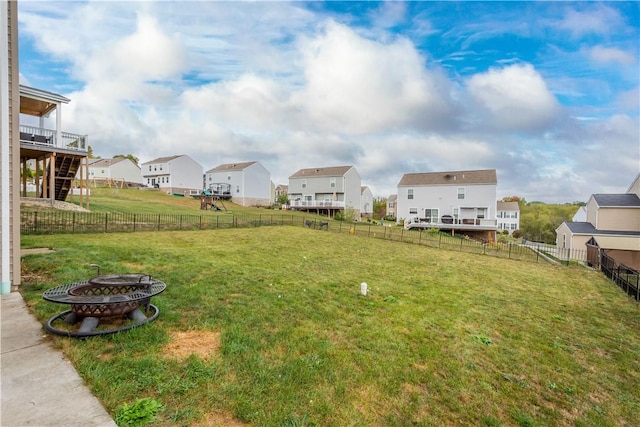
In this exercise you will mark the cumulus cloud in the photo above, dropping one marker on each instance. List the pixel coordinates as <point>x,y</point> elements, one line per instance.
<point>514,98</point>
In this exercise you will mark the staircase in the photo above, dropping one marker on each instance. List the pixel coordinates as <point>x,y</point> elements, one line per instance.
<point>65,172</point>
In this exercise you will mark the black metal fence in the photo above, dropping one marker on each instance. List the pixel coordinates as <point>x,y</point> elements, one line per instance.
<point>53,222</point>
<point>627,278</point>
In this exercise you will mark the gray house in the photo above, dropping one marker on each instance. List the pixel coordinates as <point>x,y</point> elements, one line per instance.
<point>325,190</point>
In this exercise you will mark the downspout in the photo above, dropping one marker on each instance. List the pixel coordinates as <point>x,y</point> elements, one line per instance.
<point>5,195</point>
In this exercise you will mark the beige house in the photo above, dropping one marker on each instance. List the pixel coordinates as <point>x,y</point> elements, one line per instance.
<point>9,149</point>
<point>391,205</point>
<point>612,227</point>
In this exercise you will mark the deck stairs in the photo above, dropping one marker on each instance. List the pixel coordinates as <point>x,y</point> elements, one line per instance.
<point>66,168</point>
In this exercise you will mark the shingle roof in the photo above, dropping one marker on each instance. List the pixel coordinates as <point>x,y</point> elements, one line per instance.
<point>628,200</point>
<point>163,159</point>
<point>508,206</point>
<point>588,228</point>
<point>231,167</point>
<point>328,171</point>
<point>393,198</point>
<point>105,163</point>
<point>487,176</point>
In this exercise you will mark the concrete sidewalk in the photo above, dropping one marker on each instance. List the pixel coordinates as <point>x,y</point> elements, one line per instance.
<point>39,386</point>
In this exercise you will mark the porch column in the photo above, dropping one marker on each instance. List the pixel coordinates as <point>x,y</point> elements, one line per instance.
<point>52,177</point>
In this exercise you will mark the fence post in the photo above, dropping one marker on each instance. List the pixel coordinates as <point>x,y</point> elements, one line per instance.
<point>439,239</point>
<point>106,222</point>
<point>509,250</point>
<point>158,224</point>
<point>420,237</point>
<point>369,232</point>
<point>134,221</point>
<point>73,222</point>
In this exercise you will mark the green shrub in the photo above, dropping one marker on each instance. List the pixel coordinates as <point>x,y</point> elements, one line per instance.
<point>139,413</point>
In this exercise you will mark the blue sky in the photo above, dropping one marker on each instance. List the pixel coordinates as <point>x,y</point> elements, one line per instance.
<point>546,93</point>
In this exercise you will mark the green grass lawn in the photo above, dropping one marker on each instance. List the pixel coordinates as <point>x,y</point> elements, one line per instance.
<point>267,327</point>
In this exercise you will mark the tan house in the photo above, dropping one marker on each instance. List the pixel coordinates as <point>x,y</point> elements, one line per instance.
<point>391,205</point>
<point>612,227</point>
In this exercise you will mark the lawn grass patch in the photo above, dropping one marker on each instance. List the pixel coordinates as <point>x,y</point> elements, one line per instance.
<point>442,338</point>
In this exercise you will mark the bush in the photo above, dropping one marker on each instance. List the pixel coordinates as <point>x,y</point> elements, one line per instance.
<point>517,234</point>
<point>139,413</point>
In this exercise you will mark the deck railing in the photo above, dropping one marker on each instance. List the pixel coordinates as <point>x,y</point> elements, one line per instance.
<point>48,138</point>
<point>316,204</point>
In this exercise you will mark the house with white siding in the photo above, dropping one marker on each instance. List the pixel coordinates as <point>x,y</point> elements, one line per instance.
<point>326,190</point>
<point>119,171</point>
<point>461,202</point>
<point>366,202</point>
<point>175,174</point>
<point>508,216</point>
<point>248,183</point>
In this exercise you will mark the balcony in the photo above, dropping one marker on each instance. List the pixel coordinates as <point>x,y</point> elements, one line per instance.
<point>41,139</point>
<point>449,223</point>
<point>317,204</point>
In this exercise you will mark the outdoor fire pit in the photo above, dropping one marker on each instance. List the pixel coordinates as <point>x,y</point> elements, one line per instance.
<point>121,301</point>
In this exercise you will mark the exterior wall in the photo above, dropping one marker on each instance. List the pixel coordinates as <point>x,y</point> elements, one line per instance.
<point>122,170</point>
<point>444,198</point>
<point>506,222</point>
<point>580,215</point>
<point>366,203</point>
<point>592,212</point>
<point>620,219</point>
<point>628,258</point>
<point>9,150</point>
<point>249,187</point>
<point>391,205</point>
<point>352,189</point>
<point>178,175</point>
<point>634,188</point>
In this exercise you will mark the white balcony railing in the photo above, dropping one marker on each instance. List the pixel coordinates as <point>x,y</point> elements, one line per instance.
<point>317,204</point>
<point>461,223</point>
<point>47,138</point>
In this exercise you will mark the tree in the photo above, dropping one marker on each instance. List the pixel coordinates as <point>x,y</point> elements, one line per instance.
<point>379,208</point>
<point>131,157</point>
<point>283,199</point>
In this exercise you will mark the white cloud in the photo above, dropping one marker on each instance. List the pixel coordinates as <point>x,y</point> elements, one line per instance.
<point>357,86</point>
<point>603,54</point>
<point>515,98</point>
<point>599,19</point>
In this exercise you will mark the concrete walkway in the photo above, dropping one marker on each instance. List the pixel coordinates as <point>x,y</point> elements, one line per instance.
<point>39,386</point>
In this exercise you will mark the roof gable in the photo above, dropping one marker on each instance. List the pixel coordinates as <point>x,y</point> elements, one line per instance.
<point>162,159</point>
<point>318,172</point>
<point>487,176</point>
<point>231,167</point>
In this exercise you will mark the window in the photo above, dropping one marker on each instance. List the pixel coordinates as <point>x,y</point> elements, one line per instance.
<point>228,177</point>
<point>431,215</point>
<point>149,168</point>
<point>304,183</point>
<point>482,213</point>
<point>456,213</point>
<point>391,204</point>
<point>410,194</point>
<point>155,168</point>
<point>413,211</point>
<point>460,193</point>
<point>237,188</point>
<point>332,182</point>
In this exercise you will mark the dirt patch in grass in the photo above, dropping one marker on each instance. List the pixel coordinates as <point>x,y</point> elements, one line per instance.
<point>204,344</point>
<point>216,419</point>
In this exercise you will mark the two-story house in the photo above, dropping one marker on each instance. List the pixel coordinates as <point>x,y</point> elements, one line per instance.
<point>391,205</point>
<point>248,183</point>
<point>508,215</point>
<point>366,202</point>
<point>325,190</point>
<point>612,226</point>
<point>117,171</point>
<point>462,202</point>
<point>175,174</point>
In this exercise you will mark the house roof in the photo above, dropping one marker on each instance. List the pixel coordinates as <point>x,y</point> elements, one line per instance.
<point>38,102</point>
<point>163,159</point>
<point>231,167</point>
<point>628,200</point>
<point>624,243</point>
<point>393,198</point>
<point>327,171</point>
<point>105,163</point>
<point>363,188</point>
<point>508,206</point>
<point>588,228</point>
<point>487,176</point>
